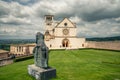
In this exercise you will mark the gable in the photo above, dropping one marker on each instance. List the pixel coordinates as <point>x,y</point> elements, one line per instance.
<point>66,23</point>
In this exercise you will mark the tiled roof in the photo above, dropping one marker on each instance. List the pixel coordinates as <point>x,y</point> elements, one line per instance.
<point>3,51</point>
<point>32,44</point>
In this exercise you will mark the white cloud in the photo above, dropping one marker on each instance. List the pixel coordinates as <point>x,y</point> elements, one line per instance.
<point>76,19</point>
<point>15,20</point>
<point>94,18</point>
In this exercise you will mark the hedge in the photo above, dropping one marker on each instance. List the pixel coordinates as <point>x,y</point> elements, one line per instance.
<point>23,58</point>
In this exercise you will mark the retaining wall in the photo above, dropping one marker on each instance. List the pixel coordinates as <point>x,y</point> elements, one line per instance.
<point>111,45</point>
<point>6,61</point>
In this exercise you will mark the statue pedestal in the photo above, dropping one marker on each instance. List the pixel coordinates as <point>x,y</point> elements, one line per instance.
<point>40,73</point>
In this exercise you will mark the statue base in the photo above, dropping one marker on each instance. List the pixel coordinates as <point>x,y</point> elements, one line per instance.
<point>40,73</point>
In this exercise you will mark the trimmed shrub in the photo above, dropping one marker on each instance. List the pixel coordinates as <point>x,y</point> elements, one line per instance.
<point>23,58</point>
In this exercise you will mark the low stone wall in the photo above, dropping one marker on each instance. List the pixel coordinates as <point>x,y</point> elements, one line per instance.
<point>6,61</point>
<point>111,45</point>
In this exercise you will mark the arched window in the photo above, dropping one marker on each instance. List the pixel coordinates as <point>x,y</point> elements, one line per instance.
<point>82,45</point>
<point>65,43</point>
<point>17,48</point>
<point>50,45</point>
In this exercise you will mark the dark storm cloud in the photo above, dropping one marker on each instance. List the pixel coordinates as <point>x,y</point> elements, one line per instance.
<point>91,10</point>
<point>23,2</point>
<point>101,14</point>
<point>4,10</point>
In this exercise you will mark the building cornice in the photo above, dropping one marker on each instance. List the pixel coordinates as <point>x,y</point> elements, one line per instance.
<point>65,27</point>
<point>65,36</point>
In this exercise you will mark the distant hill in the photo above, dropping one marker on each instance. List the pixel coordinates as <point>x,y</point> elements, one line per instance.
<point>24,41</point>
<point>116,38</point>
<point>16,41</point>
<point>5,43</point>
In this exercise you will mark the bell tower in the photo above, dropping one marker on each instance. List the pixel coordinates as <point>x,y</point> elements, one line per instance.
<point>49,22</point>
<point>49,27</point>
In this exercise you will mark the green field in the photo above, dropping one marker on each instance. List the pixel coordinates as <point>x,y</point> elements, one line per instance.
<point>85,64</point>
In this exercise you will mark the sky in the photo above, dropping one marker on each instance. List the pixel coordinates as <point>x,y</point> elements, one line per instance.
<point>22,19</point>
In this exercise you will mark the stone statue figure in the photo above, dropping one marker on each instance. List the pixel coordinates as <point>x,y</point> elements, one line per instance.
<point>40,52</point>
<point>40,69</point>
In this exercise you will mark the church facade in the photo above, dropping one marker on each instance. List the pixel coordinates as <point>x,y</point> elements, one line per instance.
<point>62,34</point>
<point>58,35</point>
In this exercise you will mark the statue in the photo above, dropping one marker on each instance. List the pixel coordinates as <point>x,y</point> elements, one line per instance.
<point>40,52</point>
<point>40,69</point>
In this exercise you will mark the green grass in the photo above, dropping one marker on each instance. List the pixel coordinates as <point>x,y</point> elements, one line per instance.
<point>86,64</point>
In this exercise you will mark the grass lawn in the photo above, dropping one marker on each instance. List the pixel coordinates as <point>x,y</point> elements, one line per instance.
<point>86,64</point>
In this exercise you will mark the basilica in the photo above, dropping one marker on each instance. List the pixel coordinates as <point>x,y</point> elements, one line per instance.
<point>62,34</point>
<point>58,35</point>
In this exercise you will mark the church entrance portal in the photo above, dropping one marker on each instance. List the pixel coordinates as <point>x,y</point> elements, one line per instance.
<point>65,43</point>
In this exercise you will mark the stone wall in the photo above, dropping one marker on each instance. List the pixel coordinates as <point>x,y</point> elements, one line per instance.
<point>111,45</point>
<point>6,61</point>
<point>4,55</point>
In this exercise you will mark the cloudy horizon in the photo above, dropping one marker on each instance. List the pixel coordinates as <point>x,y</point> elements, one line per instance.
<point>22,19</point>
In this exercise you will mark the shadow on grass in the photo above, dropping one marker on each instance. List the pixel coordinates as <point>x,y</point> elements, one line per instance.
<point>117,63</point>
<point>111,76</point>
<point>99,49</point>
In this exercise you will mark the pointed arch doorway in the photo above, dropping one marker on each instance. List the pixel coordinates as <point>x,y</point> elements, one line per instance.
<point>65,42</point>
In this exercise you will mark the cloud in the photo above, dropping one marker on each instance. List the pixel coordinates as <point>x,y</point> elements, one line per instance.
<point>102,28</point>
<point>15,21</point>
<point>94,18</point>
<point>22,2</point>
<point>4,10</point>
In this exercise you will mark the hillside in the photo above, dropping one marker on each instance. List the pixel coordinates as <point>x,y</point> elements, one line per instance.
<point>16,41</point>
<point>85,64</point>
